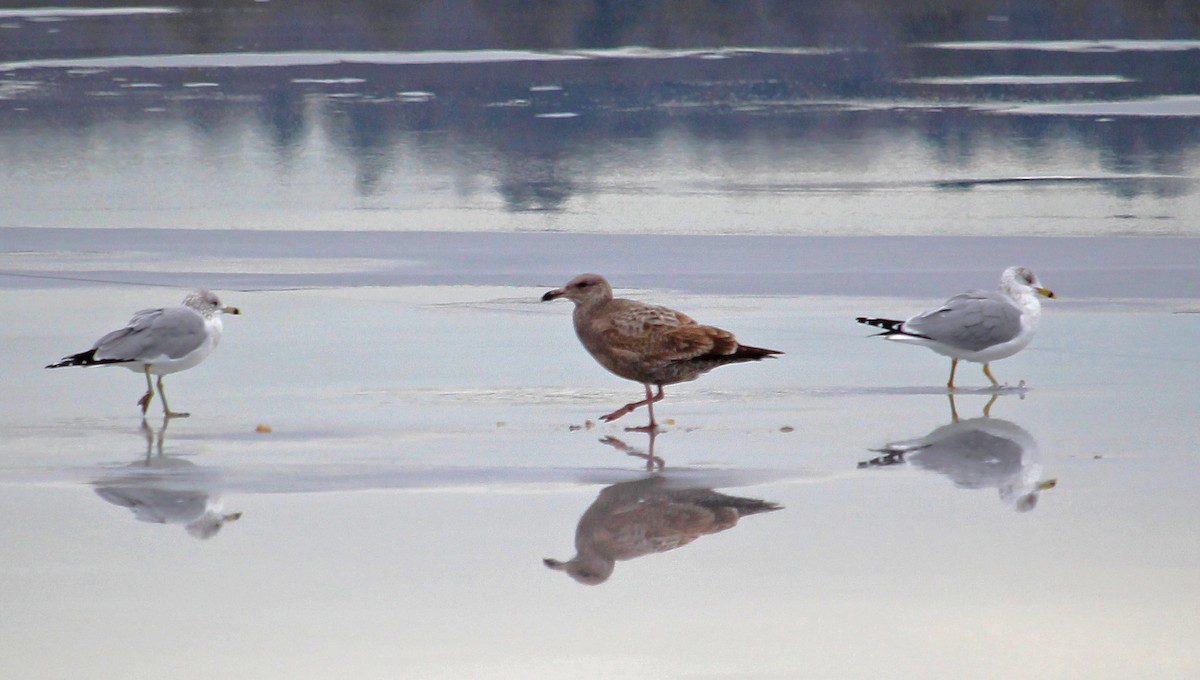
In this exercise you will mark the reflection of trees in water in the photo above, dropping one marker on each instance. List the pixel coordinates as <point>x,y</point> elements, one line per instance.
<point>535,159</point>
<point>1137,146</point>
<point>1122,145</point>
<point>1132,146</point>
<point>370,134</point>
<point>532,160</point>
<point>744,133</point>
<point>282,114</point>
<point>752,113</point>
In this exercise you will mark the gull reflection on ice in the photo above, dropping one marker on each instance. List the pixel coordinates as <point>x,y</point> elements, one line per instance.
<point>163,490</point>
<point>645,516</point>
<point>653,462</point>
<point>977,453</point>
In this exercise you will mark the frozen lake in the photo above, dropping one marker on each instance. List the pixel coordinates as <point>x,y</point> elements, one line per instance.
<point>396,432</point>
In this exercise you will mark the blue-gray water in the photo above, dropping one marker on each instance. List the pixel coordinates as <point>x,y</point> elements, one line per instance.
<point>465,117</point>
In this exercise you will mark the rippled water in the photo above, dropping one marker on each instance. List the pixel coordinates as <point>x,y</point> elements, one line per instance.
<point>1047,137</point>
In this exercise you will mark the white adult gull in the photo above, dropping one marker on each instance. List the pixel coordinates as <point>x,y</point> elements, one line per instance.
<point>979,326</point>
<point>159,342</point>
<point>646,343</point>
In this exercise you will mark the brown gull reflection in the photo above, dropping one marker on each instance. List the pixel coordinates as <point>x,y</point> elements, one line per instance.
<point>978,453</point>
<point>653,462</point>
<point>161,489</point>
<point>645,516</point>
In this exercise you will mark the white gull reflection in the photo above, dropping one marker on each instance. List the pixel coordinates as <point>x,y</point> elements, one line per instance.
<point>149,488</point>
<point>979,453</point>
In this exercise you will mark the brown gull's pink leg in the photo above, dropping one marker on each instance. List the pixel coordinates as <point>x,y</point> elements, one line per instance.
<point>648,402</point>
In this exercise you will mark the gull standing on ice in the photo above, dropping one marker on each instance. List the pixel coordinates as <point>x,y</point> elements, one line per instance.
<point>160,341</point>
<point>979,326</point>
<point>649,344</point>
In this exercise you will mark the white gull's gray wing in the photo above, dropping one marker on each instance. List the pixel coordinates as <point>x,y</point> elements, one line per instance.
<point>157,506</point>
<point>172,332</point>
<point>971,321</point>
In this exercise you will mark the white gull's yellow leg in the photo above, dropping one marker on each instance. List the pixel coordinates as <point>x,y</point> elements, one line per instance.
<point>988,372</point>
<point>144,402</point>
<point>987,410</point>
<point>167,412</point>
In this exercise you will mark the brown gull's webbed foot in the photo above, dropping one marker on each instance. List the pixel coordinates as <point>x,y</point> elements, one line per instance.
<point>627,408</point>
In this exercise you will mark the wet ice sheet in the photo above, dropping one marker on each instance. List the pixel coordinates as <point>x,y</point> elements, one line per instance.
<point>1085,269</point>
<point>414,480</point>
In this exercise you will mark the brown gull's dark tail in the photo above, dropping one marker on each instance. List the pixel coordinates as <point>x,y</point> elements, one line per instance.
<point>716,501</point>
<point>749,353</point>
<point>742,353</point>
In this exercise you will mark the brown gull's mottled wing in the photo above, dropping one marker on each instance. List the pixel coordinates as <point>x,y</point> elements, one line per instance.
<point>660,335</point>
<point>657,526</point>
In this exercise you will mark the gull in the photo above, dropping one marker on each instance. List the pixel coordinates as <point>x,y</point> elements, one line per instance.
<point>163,489</point>
<point>653,462</point>
<point>160,341</point>
<point>978,453</point>
<point>646,343</point>
<point>979,326</point>
<point>646,516</point>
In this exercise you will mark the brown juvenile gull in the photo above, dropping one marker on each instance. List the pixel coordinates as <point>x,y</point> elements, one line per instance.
<point>160,341</point>
<point>979,326</point>
<point>647,343</point>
